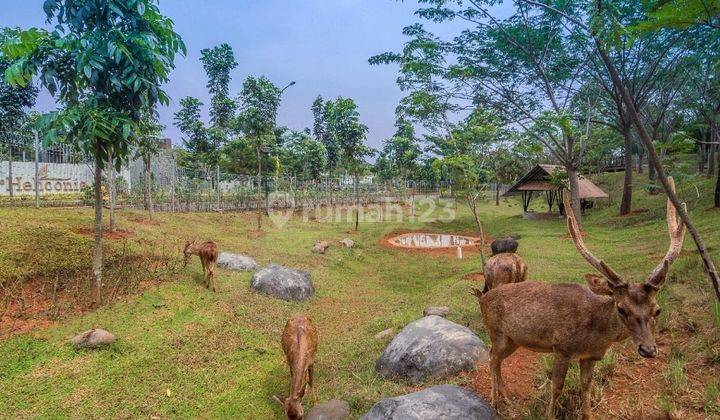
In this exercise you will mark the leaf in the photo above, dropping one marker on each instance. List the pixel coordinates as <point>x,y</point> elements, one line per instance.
<point>88,71</point>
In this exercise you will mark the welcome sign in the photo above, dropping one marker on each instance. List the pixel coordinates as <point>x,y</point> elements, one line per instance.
<point>55,178</point>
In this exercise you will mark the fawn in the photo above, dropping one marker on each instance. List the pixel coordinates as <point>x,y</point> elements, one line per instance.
<point>503,269</point>
<point>572,321</point>
<point>299,342</point>
<point>208,253</point>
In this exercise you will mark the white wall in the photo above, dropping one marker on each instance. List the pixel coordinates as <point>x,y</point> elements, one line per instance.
<point>55,178</point>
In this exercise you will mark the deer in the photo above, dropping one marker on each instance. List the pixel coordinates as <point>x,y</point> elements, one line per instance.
<point>576,322</point>
<point>299,343</point>
<point>208,253</point>
<point>503,269</point>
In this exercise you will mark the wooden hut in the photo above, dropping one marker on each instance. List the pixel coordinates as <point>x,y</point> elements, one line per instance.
<point>537,181</point>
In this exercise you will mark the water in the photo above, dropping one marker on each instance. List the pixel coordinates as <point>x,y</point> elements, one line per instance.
<point>432,240</point>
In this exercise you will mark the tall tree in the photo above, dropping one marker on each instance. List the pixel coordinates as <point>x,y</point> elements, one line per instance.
<point>402,149</point>
<point>104,61</point>
<point>259,102</point>
<point>349,133</point>
<point>147,145</point>
<point>321,131</point>
<point>195,135</point>
<point>218,62</point>
<point>14,102</point>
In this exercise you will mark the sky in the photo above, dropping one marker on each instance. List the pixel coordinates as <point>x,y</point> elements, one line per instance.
<point>323,45</point>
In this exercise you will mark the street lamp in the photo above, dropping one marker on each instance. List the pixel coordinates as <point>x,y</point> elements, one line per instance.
<point>289,84</point>
<point>266,153</point>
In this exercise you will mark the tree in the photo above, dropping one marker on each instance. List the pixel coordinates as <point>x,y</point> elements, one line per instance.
<point>402,150</point>
<point>259,100</point>
<point>147,145</point>
<point>321,131</point>
<point>304,156</point>
<point>527,67</point>
<point>14,101</point>
<point>681,14</point>
<point>104,61</point>
<point>218,62</point>
<point>195,135</point>
<point>349,133</point>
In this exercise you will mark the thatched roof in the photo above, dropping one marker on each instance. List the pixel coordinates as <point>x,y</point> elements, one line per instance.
<point>537,180</point>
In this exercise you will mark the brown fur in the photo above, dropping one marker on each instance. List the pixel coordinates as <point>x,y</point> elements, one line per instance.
<point>572,321</point>
<point>299,342</point>
<point>208,253</point>
<point>503,269</point>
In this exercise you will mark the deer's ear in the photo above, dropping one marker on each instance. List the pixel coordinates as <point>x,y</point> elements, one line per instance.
<point>598,285</point>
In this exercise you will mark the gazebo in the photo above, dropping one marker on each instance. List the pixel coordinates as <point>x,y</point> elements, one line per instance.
<point>537,180</point>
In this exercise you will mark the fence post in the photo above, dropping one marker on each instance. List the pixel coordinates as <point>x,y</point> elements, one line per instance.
<point>37,170</point>
<point>217,184</point>
<point>173,177</point>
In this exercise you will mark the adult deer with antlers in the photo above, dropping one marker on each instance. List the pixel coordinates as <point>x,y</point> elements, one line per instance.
<point>572,321</point>
<point>208,253</point>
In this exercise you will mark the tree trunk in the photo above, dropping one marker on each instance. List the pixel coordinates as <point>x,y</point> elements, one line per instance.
<point>497,193</point>
<point>357,202</point>
<point>97,263</point>
<point>626,203</point>
<point>717,189</point>
<point>111,187</point>
<point>641,155</point>
<point>148,185</point>
<point>701,156</point>
<point>260,190</point>
<point>574,184</point>
<point>652,175</point>
<point>655,160</point>
<point>712,160</point>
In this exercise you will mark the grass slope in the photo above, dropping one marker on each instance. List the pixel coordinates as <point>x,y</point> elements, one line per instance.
<point>186,352</point>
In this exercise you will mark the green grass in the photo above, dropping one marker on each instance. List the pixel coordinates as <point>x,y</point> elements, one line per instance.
<point>186,352</point>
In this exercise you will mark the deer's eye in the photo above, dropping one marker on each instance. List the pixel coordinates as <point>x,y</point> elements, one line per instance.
<point>622,311</point>
<point>657,312</point>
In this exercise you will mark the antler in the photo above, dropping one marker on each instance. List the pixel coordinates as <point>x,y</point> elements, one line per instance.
<point>613,278</point>
<point>677,236</point>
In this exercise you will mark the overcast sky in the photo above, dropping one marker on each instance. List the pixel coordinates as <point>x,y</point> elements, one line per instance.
<point>324,45</point>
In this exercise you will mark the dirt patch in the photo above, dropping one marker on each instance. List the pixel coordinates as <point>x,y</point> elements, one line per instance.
<point>116,235</point>
<point>256,234</point>
<point>518,371</point>
<point>385,242</point>
<point>567,235</point>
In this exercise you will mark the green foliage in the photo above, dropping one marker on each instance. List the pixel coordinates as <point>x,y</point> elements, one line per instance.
<point>303,156</point>
<point>348,132</point>
<point>681,14</point>
<point>14,101</point>
<point>321,131</point>
<point>260,100</point>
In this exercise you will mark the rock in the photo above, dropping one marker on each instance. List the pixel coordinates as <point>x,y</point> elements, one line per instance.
<point>384,334</point>
<point>347,243</point>
<point>442,311</point>
<point>321,247</point>
<point>238,262</point>
<point>283,282</point>
<point>431,347</point>
<point>448,402</point>
<point>331,410</point>
<point>93,339</point>
<point>499,246</point>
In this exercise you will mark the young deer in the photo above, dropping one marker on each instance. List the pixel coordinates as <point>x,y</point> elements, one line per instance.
<point>573,321</point>
<point>299,342</point>
<point>503,269</point>
<point>208,253</point>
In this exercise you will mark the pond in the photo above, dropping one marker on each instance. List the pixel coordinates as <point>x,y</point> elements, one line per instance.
<point>432,240</point>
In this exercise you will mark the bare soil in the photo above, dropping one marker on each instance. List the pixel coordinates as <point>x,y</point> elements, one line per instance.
<point>116,235</point>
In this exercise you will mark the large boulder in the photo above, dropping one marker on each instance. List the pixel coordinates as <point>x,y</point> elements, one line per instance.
<point>283,282</point>
<point>92,339</point>
<point>347,243</point>
<point>431,347</point>
<point>442,311</point>
<point>237,262</point>
<point>321,247</point>
<point>499,246</point>
<point>331,410</point>
<point>447,402</point>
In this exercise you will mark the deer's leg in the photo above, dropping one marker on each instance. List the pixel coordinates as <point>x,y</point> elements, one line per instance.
<point>312,384</point>
<point>502,347</point>
<point>211,275</point>
<point>586,375</point>
<point>559,371</point>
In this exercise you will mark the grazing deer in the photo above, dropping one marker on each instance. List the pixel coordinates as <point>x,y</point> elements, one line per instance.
<point>299,342</point>
<point>503,269</point>
<point>500,246</point>
<point>208,253</point>
<point>572,321</point>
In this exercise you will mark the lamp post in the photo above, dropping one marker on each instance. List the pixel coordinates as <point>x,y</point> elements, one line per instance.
<point>289,84</point>
<point>266,153</point>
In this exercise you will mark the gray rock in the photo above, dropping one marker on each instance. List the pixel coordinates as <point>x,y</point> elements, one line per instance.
<point>347,243</point>
<point>93,339</point>
<point>384,334</point>
<point>500,246</point>
<point>431,347</point>
<point>283,282</point>
<point>237,262</point>
<point>331,410</point>
<point>442,311</point>
<point>447,402</point>
<point>321,247</point>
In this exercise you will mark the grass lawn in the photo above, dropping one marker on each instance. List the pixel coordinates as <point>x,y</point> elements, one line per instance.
<point>186,352</point>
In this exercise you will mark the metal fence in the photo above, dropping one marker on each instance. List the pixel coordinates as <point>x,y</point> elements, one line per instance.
<point>56,177</point>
